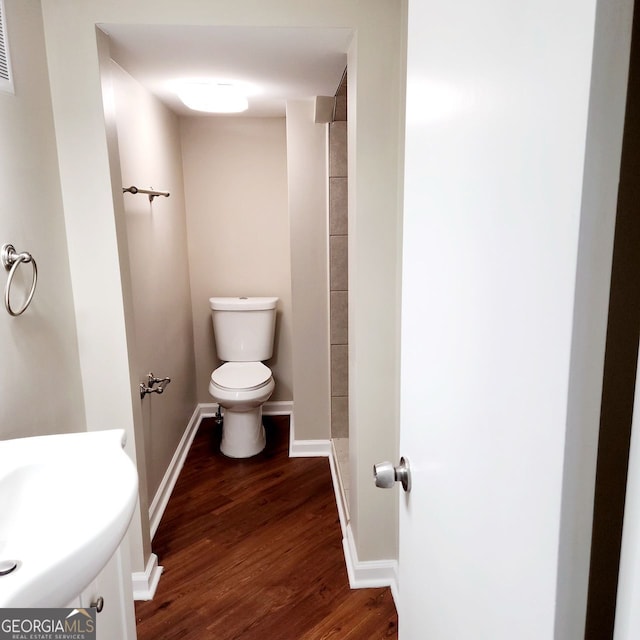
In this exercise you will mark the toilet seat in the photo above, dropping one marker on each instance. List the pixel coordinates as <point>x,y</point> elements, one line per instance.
<point>241,375</point>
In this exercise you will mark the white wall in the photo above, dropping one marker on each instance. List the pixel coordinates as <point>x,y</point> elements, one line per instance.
<point>40,387</point>
<point>235,176</point>
<point>307,170</point>
<point>149,150</point>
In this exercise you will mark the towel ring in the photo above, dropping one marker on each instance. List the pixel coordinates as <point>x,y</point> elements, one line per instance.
<point>11,261</point>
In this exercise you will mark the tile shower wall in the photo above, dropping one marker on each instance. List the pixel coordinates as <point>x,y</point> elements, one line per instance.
<point>338,271</point>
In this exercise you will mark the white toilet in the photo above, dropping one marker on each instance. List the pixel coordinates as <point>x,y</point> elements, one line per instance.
<point>243,329</point>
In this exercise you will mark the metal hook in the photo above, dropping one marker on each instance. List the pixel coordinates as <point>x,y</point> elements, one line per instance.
<point>150,387</point>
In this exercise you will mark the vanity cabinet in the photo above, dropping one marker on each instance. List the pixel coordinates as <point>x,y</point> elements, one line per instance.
<point>112,588</point>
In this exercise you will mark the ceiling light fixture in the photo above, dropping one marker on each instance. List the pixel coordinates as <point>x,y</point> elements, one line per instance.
<point>212,97</point>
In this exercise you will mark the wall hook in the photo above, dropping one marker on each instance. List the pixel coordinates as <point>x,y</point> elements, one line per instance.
<point>150,192</point>
<point>150,387</point>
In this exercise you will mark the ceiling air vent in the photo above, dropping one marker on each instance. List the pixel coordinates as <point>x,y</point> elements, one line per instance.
<point>6,82</point>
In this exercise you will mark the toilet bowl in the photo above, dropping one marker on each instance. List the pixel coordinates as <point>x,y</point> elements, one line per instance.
<point>241,388</point>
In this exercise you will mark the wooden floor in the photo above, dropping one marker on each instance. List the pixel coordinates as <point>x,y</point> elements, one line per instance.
<point>252,549</point>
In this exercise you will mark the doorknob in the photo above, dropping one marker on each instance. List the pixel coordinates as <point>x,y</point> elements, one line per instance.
<point>386,475</point>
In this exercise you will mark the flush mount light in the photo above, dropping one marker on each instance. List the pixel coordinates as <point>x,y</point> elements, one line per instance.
<point>212,97</point>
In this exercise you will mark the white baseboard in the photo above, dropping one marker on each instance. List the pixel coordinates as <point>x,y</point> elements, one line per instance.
<point>161,498</point>
<point>309,448</point>
<point>341,503</point>
<point>338,489</point>
<point>304,448</point>
<point>278,408</point>
<point>369,573</point>
<point>145,582</point>
<point>274,408</point>
<point>395,592</point>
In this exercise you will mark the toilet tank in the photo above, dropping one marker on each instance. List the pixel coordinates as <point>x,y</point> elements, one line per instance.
<point>243,328</point>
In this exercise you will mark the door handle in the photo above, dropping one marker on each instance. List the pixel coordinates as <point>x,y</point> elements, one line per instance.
<point>386,475</point>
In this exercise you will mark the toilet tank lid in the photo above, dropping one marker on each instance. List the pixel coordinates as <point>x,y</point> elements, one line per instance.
<point>242,304</point>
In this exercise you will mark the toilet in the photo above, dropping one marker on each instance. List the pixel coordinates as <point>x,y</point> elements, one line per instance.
<point>243,330</point>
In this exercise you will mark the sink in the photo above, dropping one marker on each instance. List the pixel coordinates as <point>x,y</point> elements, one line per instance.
<point>65,504</point>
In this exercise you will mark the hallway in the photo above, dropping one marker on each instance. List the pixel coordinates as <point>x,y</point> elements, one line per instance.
<point>252,549</point>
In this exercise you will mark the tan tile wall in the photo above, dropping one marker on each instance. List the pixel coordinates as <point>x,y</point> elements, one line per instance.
<point>338,270</point>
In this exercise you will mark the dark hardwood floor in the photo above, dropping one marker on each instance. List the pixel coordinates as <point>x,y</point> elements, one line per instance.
<point>252,550</point>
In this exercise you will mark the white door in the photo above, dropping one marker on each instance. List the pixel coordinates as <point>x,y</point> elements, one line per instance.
<point>627,625</point>
<point>497,105</point>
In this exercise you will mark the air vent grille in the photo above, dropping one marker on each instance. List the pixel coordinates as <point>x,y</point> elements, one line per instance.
<point>4,63</point>
<point>5,68</point>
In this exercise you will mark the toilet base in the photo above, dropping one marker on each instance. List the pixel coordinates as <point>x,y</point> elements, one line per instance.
<point>243,433</point>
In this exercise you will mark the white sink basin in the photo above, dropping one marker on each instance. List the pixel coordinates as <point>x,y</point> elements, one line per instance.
<point>65,504</point>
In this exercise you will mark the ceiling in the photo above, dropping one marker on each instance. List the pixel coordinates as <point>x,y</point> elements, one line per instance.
<point>278,63</point>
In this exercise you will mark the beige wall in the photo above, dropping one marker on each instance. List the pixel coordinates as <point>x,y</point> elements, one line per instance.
<point>40,386</point>
<point>89,197</point>
<point>149,150</point>
<point>235,175</point>
<point>375,143</point>
<point>307,168</point>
